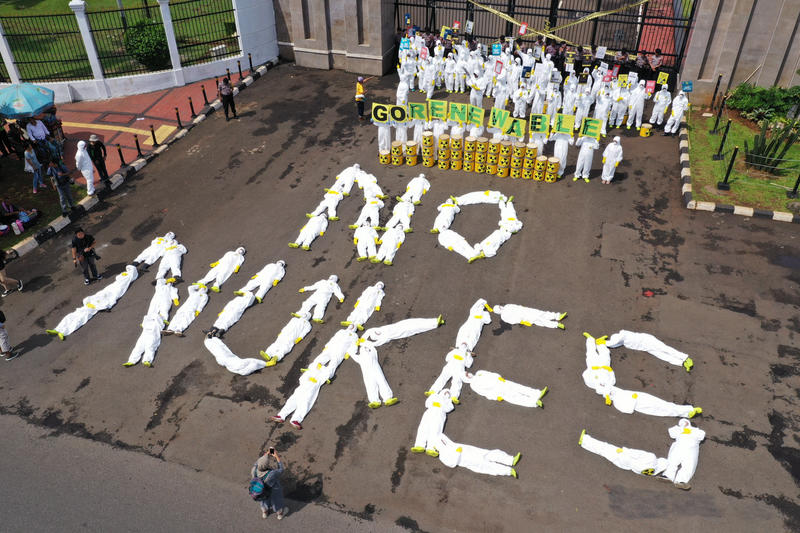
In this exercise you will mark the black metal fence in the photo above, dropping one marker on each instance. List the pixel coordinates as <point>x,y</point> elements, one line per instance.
<point>108,31</point>
<point>47,47</point>
<point>660,24</point>
<point>205,30</point>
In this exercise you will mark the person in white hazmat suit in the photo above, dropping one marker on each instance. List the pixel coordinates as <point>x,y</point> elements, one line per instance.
<point>400,330</point>
<point>370,214</point>
<point>612,155</point>
<point>84,164</point>
<point>447,212</point>
<point>470,331</point>
<point>679,106</point>
<point>372,190</point>
<point>329,203</point>
<point>323,291</point>
<point>374,380</point>
<point>636,105</point>
<point>366,239</point>
<point>479,197</point>
<point>570,99</point>
<point>520,98</point>
<point>401,216</point>
<point>648,343</point>
<point>456,243</point>
<point>661,102</point>
<point>346,178</point>
<point>477,85</point>
<point>493,386</point>
<point>402,93</point>
<point>438,128</point>
<point>561,148</point>
<point>148,342</point>
<point>343,343</point>
<point>366,304</point>
<point>74,320</point>
<point>432,423</point>
<point>620,97</point>
<point>491,462</point>
<point>390,242</point>
<point>539,139</point>
<point>401,132</point>
<point>165,296</point>
<point>553,102</point>
<point>186,313</point>
<point>305,395</point>
<point>292,333</point>
<point>598,376</point>
<point>683,453</point>
<point>628,401</point>
<point>416,189</point>
<point>154,251</point>
<point>231,313</point>
<point>171,261</point>
<point>488,246</point>
<point>585,101</point>
<point>384,135</point>
<point>232,362</point>
<point>223,268</point>
<point>457,361</point>
<point>637,461</point>
<point>263,280</point>
<point>585,157</point>
<point>508,216</point>
<point>315,227</point>
<point>528,316</point>
<point>602,108</point>
<point>449,73</point>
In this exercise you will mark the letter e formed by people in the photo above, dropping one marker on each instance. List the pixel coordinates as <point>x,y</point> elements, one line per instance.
<point>437,109</point>
<point>591,128</point>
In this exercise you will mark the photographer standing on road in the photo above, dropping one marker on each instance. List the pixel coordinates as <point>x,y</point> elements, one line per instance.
<point>272,479</point>
<point>83,253</point>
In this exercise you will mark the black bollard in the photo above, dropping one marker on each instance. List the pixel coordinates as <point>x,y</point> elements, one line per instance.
<point>205,98</point>
<point>723,185</point>
<point>239,65</point>
<point>716,88</point>
<point>121,159</point>
<point>178,116</point>
<point>153,134</point>
<point>138,148</point>
<point>719,114</point>
<point>718,156</point>
<point>793,192</point>
<point>191,108</point>
<point>250,60</point>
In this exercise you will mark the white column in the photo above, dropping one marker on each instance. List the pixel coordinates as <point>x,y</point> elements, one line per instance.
<point>79,8</point>
<point>8,57</point>
<point>174,55</point>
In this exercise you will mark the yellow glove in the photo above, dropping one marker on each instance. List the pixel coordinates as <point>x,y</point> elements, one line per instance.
<point>341,301</point>
<point>275,282</point>
<point>604,160</point>
<point>236,269</point>
<point>215,263</point>
<point>254,277</point>
<point>197,313</point>
<point>176,302</point>
<point>616,164</point>
<point>377,307</point>
<point>321,233</point>
<point>355,241</point>
<point>302,290</point>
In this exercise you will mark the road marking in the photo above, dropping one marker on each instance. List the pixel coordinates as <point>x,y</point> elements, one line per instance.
<point>162,132</point>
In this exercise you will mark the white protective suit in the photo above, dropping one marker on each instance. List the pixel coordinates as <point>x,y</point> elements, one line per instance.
<point>370,214</point>
<point>636,104</point>
<point>163,299</point>
<point>570,99</point>
<point>432,423</point>
<point>620,105</point>
<point>447,212</point>
<point>585,156</point>
<point>108,296</point>
<point>400,330</point>
<point>233,311</point>
<point>155,250</point>
<point>416,189</point>
<point>171,261</point>
<point>84,164</point>
<point>401,132</point>
<point>266,278</point>
<point>598,376</point>
<point>647,343</point>
<point>493,386</point>
<point>637,461</point>
<point>508,216</point>
<point>602,108</point>
<point>402,93</point>
<point>560,149</point>
<point>528,316</point>
<point>343,343</point>
<point>679,106</point>
<point>148,342</point>
<point>456,243</point>
<point>480,460</point>
<point>661,101</point>
<point>74,320</point>
<point>401,216</point>
<point>374,380</point>
<point>366,239</point>
<point>628,401</point>
<point>230,360</point>
<point>585,101</point>
<point>684,452</point>
<point>224,268</point>
<point>192,306</point>
<point>328,203</point>
<point>366,304</point>
<point>292,333</point>
<point>384,136</point>
<point>520,98</point>
<point>449,73</point>
<point>323,291</point>
<point>314,228</point>
<point>470,331</point>
<point>488,247</point>
<point>372,190</point>
<point>305,395</point>
<point>612,156</point>
<point>390,242</point>
<point>477,86</point>
<point>457,361</point>
<point>480,197</point>
<point>346,178</point>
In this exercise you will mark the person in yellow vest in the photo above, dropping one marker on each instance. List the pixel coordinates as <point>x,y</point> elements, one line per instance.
<point>360,95</point>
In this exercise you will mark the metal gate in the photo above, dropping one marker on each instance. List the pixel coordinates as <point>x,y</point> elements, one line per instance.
<point>660,24</point>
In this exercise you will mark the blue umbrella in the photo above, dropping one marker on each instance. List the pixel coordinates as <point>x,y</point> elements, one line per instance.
<point>24,100</point>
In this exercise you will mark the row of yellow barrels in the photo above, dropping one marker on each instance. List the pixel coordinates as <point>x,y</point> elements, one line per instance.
<point>482,155</point>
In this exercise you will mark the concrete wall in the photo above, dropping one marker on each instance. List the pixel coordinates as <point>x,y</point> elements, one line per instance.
<point>735,37</point>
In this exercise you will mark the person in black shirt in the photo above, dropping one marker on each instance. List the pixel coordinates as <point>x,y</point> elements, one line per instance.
<point>8,283</point>
<point>83,252</point>
<point>97,153</point>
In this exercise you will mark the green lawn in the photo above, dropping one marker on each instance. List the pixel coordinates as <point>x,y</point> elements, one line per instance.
<point>749,187</point>
<point>47,7</point>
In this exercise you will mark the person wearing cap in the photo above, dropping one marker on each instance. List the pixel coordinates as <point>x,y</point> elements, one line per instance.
<point>323,291</point>
<point>223,268</point>
<point>97,153</point>
<point>272,479</point>
<point>612,156</point>
<point>361,94</point>
<point>225,94</point>
<point>83,253</point>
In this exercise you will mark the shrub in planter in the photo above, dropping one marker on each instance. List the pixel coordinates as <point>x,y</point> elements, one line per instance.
<point>147,43</point>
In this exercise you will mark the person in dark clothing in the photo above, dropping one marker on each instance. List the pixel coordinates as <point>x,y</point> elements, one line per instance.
<point>225,93</point>
<point>272,479</point>
<point>6,349</point>
<point>9,284</point>
<point>61,183</point>
<point>83,253</point>
<point>5,142</point>
<point>97,153</point>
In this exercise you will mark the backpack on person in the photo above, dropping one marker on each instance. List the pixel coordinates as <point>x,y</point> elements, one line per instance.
<point>258,489</point>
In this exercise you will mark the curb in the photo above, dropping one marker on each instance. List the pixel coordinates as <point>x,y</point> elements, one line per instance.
<point>118,178</point>
<point>689,203</point>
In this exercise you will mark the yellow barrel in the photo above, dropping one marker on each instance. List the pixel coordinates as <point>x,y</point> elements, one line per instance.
<point>516,162</point>
<point>504,160</point>
<point>491,169</point>
<point>538,175</point>
<point>516,173</point>
<point>444,164</point>
<point>411,148</point>
<point>552,165</point>
<point>530,151</point>
<point>646,130</point>
<point>551,177</point>
<point>481,145</point>
<point>455,164</point>
<point>444,153</point>
<point>428,162</point>
<point>494,146</point>
<point>397,148</point>
<point>505,147</point>
<point>427,151</point>
<point>541,163</point>
<point>397,160</point>
<point>469,156</point>
<point>502,172</point>
<point>527,173</point>
<point>456,141</point>
<point>384,157</point>
<point>444,141</point>
<point>480,168</point>
<point>411,160</point>
<point>469,143</point>
<point>518,149</point>
<point>468,166</point>
<point>427,139</point>
<point>492,159</point>
<point>456,154</point>
<point>529,163</point>
<point>480,157</point>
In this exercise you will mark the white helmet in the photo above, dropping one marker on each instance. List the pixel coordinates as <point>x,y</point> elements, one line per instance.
<point>664,87</point>
<point>333,277</point>
<point>281,262</point>
<point>684,423</point>
<point>380,285</point>
<point>241,251</point>
<point>169,235</point>
<point>680,93</point>
<point>616,139</point>
<point>641,83</point>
